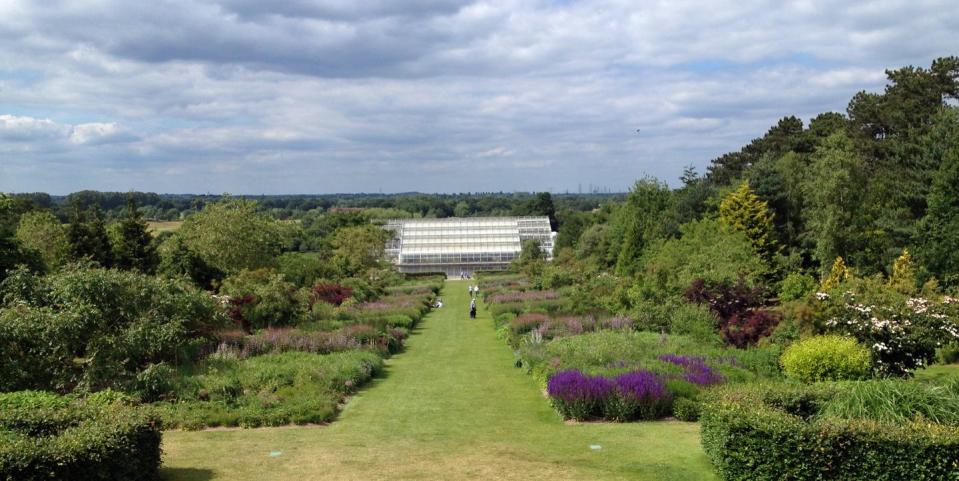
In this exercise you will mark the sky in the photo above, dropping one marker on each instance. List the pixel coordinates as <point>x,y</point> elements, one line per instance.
<point>326,96</point>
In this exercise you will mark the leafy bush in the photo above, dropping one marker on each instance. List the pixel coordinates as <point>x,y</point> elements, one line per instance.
<point>265,300</point>
<point>48,437</point>
<point>741,321</point>
<point>827,358</point>
<point>773,433</point>
<point>331,293</point>
<point>747,328</point>
<point>685,409</point>
<point>97,328</point>
<point>796,286</point>
<point>706,250</point>
<point>902,332</point>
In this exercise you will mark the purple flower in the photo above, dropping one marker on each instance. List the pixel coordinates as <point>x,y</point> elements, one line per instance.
<point>696,369</point>
<point>641,386</point>
<point>574,386</point>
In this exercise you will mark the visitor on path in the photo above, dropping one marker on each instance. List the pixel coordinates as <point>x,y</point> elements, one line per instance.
<point>438,304</point>
<point>473,309</point>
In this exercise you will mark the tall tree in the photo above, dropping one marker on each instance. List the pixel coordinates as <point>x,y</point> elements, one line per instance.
<point>87,235</point>
<point>743,211</point>
<point>833,193</point>
<point>41,231</point>
<point>640,221</point>
<point>231,235</point>
<point>135,248</point>
<point>940,240</point>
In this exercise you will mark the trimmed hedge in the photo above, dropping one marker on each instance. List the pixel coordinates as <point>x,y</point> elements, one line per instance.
<point>775,433</point>
<point>44,436</point>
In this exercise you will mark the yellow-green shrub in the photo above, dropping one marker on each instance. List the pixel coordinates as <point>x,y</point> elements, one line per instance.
<point>826,358</point>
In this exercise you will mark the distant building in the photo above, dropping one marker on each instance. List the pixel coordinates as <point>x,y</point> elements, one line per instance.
<point>464,244</point>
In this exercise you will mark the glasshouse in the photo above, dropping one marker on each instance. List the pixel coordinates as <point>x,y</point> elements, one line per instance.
<point>464,245</point>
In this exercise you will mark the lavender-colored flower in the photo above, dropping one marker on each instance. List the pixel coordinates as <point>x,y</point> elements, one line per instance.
<point>696,369</point>
<point>642,386</point>
<point>577,395</point>
<point>573,385</point>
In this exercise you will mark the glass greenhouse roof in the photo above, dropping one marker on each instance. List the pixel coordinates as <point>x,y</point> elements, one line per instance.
<point>457,245</point>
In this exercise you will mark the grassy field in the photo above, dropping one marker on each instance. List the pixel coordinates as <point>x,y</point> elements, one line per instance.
<point>157,226</point>
<point>450,407</point>
<point>938,373</point>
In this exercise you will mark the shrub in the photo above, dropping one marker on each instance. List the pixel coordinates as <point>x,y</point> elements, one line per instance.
<point>796,286</point>
<point>901,331</point>
<point>773,433</point>
<point>97,328</point>
<point>693,320</point>
<point>685,409</point>
<point>267,299</point>
<point>331,293</point>
<point>747,328</point>
<point>48,437</point>
<point>827,358</point>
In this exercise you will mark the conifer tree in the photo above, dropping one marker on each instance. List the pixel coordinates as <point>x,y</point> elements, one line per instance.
<point>744,211</point>
<point>837,275</point>
<point>135,248</point>
<point>87,235</point>
<point>903,277</point>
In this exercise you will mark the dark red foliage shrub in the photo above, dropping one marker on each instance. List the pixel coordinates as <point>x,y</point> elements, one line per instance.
<point>724,298</point>
<point>741,321</point>
<point>331,293</point>
<point>744,329</point>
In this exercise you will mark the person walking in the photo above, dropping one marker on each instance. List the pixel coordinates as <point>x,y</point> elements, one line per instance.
<point>473,309</point>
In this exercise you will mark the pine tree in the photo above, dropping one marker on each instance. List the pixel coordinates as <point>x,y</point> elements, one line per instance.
<point>135,248</point>
<point>87,235</point>
<point>744,211</point>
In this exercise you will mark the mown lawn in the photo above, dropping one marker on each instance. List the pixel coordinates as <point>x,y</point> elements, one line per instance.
<point>450,407</point>
<point>938,373</point>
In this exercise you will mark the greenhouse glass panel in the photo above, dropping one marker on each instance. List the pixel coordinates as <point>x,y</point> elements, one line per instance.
<point>458,246</point>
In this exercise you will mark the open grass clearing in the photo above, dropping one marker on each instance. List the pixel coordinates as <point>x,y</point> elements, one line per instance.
<point>450,407</point>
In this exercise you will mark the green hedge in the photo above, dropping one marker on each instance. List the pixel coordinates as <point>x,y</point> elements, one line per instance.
<point>48,437</point>
<point>775,433</point>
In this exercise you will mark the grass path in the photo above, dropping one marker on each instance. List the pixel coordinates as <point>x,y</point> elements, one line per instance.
<point>450,407</point>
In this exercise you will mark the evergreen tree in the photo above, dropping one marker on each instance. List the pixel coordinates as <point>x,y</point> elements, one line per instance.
<point>135,248</point>
<point>940,242</point>
<point>903,277</point>
<point>87,235</point>
<point>743,211</point>
<point>837,274</point>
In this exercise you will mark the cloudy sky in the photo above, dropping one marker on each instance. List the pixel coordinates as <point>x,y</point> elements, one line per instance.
<point>317,96</point>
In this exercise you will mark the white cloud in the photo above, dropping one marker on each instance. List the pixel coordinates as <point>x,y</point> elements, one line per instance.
<point>307,96</point>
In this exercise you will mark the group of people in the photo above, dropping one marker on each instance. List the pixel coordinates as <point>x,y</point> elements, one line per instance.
<point>466,275</point>
<point>473,291</point>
